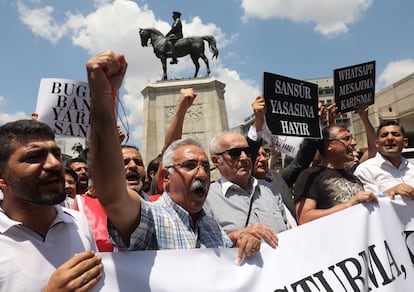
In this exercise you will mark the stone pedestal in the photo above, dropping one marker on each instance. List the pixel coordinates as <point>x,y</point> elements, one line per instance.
<point>204,119</point>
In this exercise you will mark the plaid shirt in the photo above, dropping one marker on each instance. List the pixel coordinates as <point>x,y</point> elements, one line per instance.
<point>166,225</point>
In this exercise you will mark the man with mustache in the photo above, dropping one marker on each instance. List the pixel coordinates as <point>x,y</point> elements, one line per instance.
<point>328,188</point>
<point>45,247</point>
<point>134,169</point>
<point>238,201</point>
<point>176,220</point>
<point>388,172</point>
<point>81,168</point>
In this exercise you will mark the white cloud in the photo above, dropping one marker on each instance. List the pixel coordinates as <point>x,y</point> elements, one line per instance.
<point>395,71</point>
<point>331,17</point>
<point>41,22</point>
<point>4,117</point>
<point>239,95</point>
<point>114,25</point>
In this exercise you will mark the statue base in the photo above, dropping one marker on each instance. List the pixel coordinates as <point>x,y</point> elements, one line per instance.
<point>204,119</point>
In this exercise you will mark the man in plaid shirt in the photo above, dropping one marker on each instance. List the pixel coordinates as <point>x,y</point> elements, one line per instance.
<point>176,220</point>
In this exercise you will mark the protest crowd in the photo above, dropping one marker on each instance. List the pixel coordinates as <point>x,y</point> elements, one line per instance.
<point>55,219</point>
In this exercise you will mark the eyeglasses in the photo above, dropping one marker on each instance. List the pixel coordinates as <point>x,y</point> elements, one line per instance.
<point>236,152</point>
<point>190,165</point>
<point>345,138</point>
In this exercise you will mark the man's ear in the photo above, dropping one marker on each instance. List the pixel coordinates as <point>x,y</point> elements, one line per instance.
<point>152,174</point>
<point>164,174</point>
<point>405,142</point>
<point>327,145</point>
<point>214,159</point>
<point>3,182</point>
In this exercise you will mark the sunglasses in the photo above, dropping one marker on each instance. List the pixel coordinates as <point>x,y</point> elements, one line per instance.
<point>190,165</point>
<point>236,152</point>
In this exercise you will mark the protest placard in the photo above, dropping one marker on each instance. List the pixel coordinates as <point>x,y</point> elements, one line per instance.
<point>291,106</point>
<point>64,105</point>
<point>354,86</point>
<point>288,145</point>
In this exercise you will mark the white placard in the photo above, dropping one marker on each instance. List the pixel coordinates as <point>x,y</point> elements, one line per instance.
<point>64,105</point>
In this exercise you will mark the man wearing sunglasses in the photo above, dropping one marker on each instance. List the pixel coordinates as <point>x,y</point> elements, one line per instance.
<point>283,180</point>
<point>238,201</point>
<point>176,220</point>
<point>328,188</point>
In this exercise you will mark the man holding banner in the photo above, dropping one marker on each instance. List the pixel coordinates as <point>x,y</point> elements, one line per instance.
<point>238,201</point>
<point>388,172</point>
<point>328,188</point>
<point>176,220</point>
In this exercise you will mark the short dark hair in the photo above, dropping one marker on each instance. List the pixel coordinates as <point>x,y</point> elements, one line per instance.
<point>76,159</point>
<point>327,136</point>
<point>153,165</point>
<point>385,123</point>
<point>72,173</point>
<point>21,129</point>
<point>130,146</point>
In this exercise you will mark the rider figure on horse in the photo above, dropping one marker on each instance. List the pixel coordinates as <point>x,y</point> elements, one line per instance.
<point>175,34</point>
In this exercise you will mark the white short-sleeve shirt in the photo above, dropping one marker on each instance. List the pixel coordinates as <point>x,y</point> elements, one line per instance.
<point>377,174</point>
<point>27,259</point>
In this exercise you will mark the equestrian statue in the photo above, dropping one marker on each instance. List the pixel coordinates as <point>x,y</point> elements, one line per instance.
<point>174,46</point>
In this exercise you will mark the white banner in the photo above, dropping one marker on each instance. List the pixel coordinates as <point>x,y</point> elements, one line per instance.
<point>64,105</point>
<point>363,248</point>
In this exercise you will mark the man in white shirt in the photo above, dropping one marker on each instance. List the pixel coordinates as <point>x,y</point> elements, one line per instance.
<point>388,172</point>
<point>44,247</point>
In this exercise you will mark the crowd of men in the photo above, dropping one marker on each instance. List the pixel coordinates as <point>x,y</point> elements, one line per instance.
<point>247,206</point>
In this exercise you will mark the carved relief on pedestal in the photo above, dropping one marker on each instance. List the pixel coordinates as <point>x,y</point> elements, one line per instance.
<point>194,114</point>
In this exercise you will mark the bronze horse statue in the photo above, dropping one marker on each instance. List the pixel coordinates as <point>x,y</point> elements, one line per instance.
<point>193,46</point>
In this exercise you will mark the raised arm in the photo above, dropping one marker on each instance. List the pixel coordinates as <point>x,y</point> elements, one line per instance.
<point>259,110</point>
<point>302,160</point>
<point>332,113</point>
<point>371,135</point>
<point>105,74</point>
<point>307,151</point>
<point>175,128</point>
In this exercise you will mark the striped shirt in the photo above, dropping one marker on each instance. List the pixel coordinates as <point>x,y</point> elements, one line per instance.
<point>166,225</point>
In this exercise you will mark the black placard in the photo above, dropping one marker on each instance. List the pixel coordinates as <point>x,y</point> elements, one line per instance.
<point>291,106</point>
<point>354,86</point>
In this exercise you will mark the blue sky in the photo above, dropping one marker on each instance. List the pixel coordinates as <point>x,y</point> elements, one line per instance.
<point>302,39</point>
